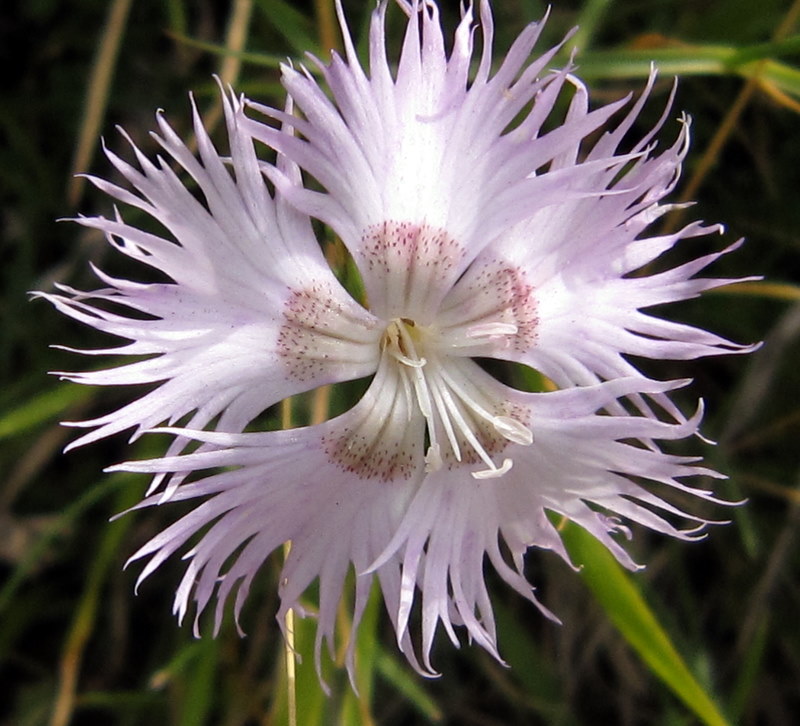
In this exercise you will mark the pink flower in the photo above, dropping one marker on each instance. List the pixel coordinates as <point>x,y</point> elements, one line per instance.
<point>477,234</point>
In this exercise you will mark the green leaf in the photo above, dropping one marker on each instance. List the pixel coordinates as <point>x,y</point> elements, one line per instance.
<point>41,409</point>
<point>531,667</point>
<point>404,681</point>
<point>37,551</point>
<point>357,708</point>
<point>627,609</point>
<point>697,60</point>
<point>258,59</point>
<point>294,26</point>
<point>200,696</point>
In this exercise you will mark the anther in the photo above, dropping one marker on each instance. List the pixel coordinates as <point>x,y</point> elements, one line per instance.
<point>495,473</point>
<point>433,459</point>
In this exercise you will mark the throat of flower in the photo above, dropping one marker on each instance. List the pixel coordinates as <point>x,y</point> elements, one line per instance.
<point>450,404</point>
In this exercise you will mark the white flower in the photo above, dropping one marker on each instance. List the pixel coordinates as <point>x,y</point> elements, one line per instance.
<point>477,235</point>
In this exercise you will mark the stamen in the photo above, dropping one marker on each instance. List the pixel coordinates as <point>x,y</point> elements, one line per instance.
<point>407,342</point>
<point>444,405</point>
<point>435,386</point>
<point>410,362</point>
<point>495,473</point>
<point>396,338</point>
<point>400,344</point>
<point>433,458</point>
<point>507,427</point>
<point>454,414</point>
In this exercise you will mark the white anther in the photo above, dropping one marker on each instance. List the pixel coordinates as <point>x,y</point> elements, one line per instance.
<point>494,473</point>
<point>396,334</point>
<point>433,458</point>
<point>410,362</point>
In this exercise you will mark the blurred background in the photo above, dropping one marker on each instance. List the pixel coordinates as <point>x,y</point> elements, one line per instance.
<point>77,647</point>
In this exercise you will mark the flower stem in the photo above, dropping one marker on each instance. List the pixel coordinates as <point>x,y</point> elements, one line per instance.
<point>289,651</point>
<point>291,675</point>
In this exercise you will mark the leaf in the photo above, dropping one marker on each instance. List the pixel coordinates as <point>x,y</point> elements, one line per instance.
<point>627,609</point>
<point>257,59</point>
<point>42,408</point>
<point>357,707</point>
<point>408,684</point>
<point>291,24</point>
<point>771,290</point>
<point>697,60</point>
<point>198,703</point>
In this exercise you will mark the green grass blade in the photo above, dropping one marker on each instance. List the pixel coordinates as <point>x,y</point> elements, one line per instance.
<point>588,23</point>
<point>752,663</point>
<point>291,24</point>
<point>772,49</point>
<point>785,77</point>
<point>312,702</point>
<point>256,59</point>
<point>198,703</point>
<point>37,551</point>
<point>404,681</point>
<point>636,63</point>
<point>84,620</point>
<point>357,708</point>
<point>696,60</point>
<point>629,612</point>
<point>41,408</point>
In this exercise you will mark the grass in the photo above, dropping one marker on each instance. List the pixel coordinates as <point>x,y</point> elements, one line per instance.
<point>708,631</point>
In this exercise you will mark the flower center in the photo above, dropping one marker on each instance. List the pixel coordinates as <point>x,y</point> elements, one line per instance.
<point>457,414</point>
<point>433,309</point>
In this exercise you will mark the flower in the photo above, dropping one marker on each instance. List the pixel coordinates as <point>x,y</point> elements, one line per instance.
<point>478,235</point>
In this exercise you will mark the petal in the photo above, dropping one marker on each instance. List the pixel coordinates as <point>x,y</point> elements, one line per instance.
<point>426,147</point>
<point>577,277</point>
<point>287,486</point>
<point>451,526</point>
<point>252,312</point>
